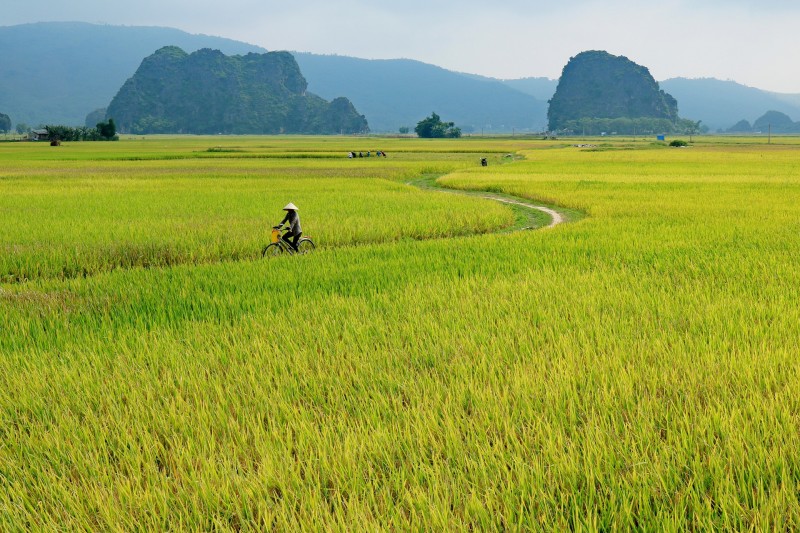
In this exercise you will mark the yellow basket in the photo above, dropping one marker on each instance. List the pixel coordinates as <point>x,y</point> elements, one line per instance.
<point>276,235</point>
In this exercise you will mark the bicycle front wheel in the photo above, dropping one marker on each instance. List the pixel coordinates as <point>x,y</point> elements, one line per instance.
<point>271,250</point>
<point>305,246</point>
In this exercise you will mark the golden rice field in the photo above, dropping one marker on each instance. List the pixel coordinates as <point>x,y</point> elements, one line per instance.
<point>425,368</point>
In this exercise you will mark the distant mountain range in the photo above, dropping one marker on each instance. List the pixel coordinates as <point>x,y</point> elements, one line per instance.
<point>721,104</point>
<point>401,92</point>
<point>57,73</point>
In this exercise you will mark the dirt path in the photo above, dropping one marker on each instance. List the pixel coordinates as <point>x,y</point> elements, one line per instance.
<point>556,217</point>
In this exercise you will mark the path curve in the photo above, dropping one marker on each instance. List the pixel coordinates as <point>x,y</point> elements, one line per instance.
<point>556,218</point>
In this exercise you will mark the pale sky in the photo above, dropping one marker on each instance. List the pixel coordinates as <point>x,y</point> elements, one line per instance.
<point>751,42</point>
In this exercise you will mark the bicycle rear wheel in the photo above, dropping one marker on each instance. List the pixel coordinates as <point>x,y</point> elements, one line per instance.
<point>272,250</point>
<point>305,246</point>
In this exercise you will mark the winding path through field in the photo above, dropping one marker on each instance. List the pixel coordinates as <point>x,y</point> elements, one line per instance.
<point>556,217</point>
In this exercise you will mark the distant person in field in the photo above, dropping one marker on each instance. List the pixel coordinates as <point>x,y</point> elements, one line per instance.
<point>293,235</point>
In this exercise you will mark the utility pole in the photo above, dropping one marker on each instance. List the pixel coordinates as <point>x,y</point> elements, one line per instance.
<point>769,134</point>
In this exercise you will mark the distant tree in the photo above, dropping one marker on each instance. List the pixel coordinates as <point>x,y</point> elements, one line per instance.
<point>5,123</point>
<point>61,133</point>
<point>107,130</point>
<point>404,129</point>
<point>689,127</point>
<point>453,132</point>
<point>432,127</point>
<point>426,126</point>
<point>22,128</point>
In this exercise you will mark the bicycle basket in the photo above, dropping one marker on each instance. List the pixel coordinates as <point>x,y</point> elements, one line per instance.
<point>276,235</point>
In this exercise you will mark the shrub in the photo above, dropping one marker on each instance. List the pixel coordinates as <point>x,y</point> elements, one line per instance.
<point>432,127</point>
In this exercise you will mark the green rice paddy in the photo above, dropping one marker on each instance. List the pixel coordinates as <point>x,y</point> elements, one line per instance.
<point>425,368</point>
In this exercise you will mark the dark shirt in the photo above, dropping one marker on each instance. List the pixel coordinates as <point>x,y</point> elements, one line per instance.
<point>294,222</point>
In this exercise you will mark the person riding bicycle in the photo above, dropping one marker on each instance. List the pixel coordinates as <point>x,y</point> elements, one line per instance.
<point>293,219</point>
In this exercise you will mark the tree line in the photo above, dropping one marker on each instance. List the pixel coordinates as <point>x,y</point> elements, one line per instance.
<point>631,126</point>
<point>104,131</point>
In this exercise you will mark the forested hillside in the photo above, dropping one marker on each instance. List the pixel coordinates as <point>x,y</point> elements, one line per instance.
<point>598,85</point>
<point>207,92</point>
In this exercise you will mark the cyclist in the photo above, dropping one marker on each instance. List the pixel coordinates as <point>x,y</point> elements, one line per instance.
<point>293,219</point>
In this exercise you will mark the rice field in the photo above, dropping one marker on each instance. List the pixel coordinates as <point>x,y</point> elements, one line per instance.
<point>89,213</point>
<point>424,369</point>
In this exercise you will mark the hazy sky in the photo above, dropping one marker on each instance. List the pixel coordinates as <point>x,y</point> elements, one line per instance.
<point>752,42</point>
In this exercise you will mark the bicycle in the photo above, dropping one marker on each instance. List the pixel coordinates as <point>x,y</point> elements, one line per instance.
<point>278,246</point>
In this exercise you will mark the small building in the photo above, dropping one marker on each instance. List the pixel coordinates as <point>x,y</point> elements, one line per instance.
<point>39,135</point>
